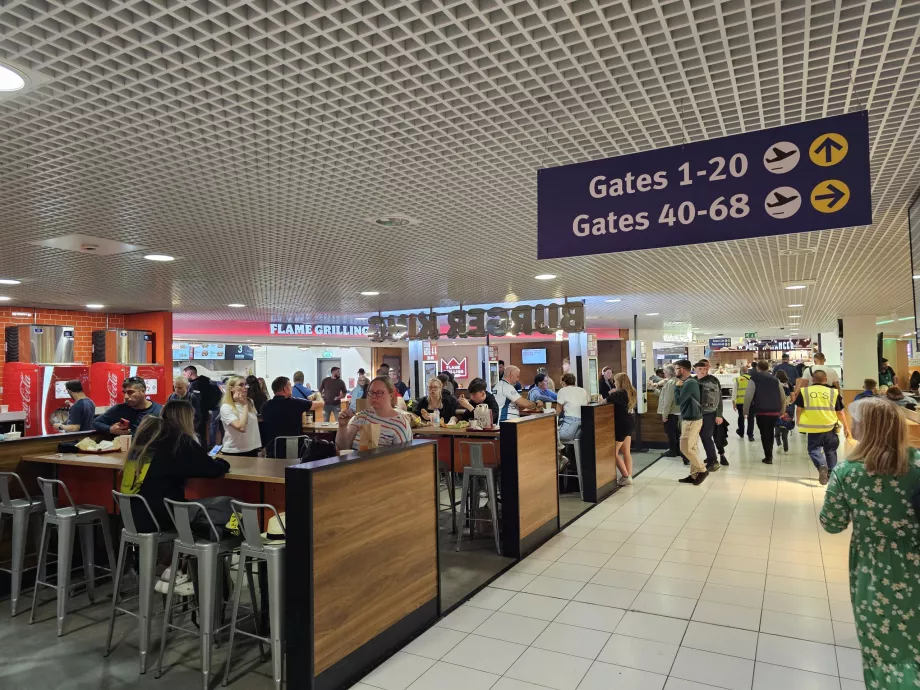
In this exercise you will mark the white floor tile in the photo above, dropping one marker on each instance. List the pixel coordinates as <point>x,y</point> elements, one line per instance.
<point>796,653</point>
<point>794,585</point>
<point>664,605</point>
<point>801,627</point>
<point>744,551</point>
<point>512,684</point>
<point>572,640</point>
<point>576,531</point>
<point>550,669</point>
<point>548,553</point>
<point>842,611</point>
<point>513,581</point>
<point>598,546</point>
<point>697,535</point>
<point>485,654</point>
<point>796,570</point>
<point>435,642</point>
<point>736,578</point>
<point>604,618</point>
<point>717,638</point>
<point>443,676</point>
<point>719,670</point>
<point>553,587</point>
<point>690,557</point>
<point>609,676</point>
<point>607,596</point>
<point>674,587</point>
<point>590,558</point>
<point>398,672</point>
<point>845,635</point>
<point>534,606</point>
<point>840,576</point>
<point>689,544</point>
<point>746,565</point>
<point>512,628</point>
<point>681,684</point>
<point>633,652</point>
<point>793,603</point>
<point>802,557</point>
<point>650,540</point>
<point>770,677</point>
<point>491,598</point>
<point>728,615</point>
<point>646,566</point>
<point>568,571</point>
<point>531,566</point>
<point>562,541</point>
<point>653,553</point>
<point>647,626</point>
<point>620,578</point>
<point>848,684</point>
<point>465,619</point>
<point>611,535</point>
<point>838,592</point>
<point>751,597</point>
<point>682,571</point>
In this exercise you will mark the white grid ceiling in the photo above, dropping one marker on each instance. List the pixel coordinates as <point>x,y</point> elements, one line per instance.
<point>254,140</point>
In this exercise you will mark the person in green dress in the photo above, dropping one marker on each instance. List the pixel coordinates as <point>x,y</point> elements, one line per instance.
<point>873,488</point>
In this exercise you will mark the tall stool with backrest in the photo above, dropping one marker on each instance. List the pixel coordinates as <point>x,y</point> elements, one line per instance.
<point>67,520</point>
<point>252,552</point>
<point>472,474</point>
<point>207,555</point>
<point>575,444</point>
<point>291,446</point>
<point>147,545</point>
<point>23,512</point>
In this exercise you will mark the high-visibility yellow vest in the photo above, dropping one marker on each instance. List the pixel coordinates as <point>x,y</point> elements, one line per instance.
<point>740,387</point>
<point>818,413</point>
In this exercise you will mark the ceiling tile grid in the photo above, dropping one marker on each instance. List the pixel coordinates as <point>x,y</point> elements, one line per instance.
<point>256,141</point>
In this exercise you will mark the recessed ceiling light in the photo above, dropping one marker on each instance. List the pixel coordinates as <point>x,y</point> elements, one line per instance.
<point>916,277</point>
<point>611,301</point>
<point>10,80</point>
<point>159,257</point>
<point>9,281</point>
<point>879,323</point>
<point>592,317</point>
<point>236,306</point>
<point>248,341</point>
<point>545,276</point>
<point>796,287</point>
<point>905,318</point>
<point>654,313</point>
<point>907,335</point>
<point>707,333</point>
<point>795,317</point>
<point>793,306</point>
<point>370,293</point>
<point>5,299</point>
<point>392,221</point>
<point>95,306</point>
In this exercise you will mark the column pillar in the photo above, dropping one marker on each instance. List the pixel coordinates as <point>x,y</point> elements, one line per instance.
<point>860,353</point>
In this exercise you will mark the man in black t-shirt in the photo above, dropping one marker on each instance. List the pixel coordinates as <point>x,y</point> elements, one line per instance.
<point>282,416</point>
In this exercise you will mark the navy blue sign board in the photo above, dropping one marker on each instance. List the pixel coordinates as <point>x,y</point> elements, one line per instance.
<point>716,343</point>
<point>797,178</point>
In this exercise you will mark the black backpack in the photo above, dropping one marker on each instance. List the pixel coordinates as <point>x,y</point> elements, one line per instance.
<point>210,396</point>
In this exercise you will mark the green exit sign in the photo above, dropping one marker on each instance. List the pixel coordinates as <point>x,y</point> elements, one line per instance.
<point>750,335</point>
<point>327,354</point>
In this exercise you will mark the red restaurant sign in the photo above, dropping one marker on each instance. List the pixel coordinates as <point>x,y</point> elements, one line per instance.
<point>457,368</point>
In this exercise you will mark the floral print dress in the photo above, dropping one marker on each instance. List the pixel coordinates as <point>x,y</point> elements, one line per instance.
<point>884,568</point>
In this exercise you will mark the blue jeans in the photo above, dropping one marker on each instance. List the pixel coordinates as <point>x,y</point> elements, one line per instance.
<point>569,429</point>
<point>822,449</point>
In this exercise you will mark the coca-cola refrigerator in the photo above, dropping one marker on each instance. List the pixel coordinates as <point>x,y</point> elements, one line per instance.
<point>119,354</point>
<point>39,362</point>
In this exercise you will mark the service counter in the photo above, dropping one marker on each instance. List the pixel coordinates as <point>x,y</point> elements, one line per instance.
<point>652,427</point>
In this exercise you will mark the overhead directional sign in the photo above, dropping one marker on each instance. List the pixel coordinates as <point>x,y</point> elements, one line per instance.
<point>797,178</point>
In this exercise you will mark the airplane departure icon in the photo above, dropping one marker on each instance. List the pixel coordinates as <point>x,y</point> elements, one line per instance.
<point>781,200</point>
<point>781,157</point>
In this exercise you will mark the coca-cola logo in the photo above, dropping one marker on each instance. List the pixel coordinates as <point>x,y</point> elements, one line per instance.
<point>25,392</point>
<point>111,386</point>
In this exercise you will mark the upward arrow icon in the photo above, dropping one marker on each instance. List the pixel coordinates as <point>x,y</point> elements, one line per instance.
<point>827,146</point>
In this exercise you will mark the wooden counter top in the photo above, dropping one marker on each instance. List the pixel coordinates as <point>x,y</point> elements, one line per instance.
<point>314,427</point>
<point>463,433</point>
<point>266,470</point>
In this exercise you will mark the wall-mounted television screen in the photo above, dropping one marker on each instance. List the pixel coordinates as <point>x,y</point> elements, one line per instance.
<point>533,356</point>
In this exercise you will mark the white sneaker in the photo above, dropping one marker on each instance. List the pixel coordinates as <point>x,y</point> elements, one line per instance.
<point>624,481</point>
<point>186,589</point>
<point>163,585</point>
<point>164,576</point>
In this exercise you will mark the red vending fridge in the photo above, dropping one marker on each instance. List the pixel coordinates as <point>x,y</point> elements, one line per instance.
<point>119,354</point>
<point>39,361</point>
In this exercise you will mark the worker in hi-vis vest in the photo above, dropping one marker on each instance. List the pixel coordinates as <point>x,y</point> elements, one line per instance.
<point>819,409</point>
<point>741,384</point>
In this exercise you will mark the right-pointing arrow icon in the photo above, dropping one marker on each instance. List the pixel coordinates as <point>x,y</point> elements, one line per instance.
<point>835,195</point>
<point>830,196</point>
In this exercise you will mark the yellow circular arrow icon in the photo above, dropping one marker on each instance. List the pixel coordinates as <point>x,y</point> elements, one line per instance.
<point>828,149</point>
<point>830,196</point>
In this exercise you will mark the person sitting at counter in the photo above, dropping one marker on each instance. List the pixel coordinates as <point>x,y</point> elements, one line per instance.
<point>437,399</point>
<point>125,418</point>
<point>394,424</point>
<point>282,415</point>
<point>540,393</point>
<point>510,402</point>
<point>82,411</point>
<point>479,395</point>
<point>572,398</point>
<point>359,391</point>
<point>241,423</point>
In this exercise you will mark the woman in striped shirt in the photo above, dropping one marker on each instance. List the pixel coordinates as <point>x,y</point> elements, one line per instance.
<point>394,424</point>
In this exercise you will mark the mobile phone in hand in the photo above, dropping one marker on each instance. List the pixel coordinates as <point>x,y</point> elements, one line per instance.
<point>215,450</point>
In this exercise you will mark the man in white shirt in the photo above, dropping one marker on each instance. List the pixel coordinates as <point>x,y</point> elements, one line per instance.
<point>510,402</point>
<point>833,379</point>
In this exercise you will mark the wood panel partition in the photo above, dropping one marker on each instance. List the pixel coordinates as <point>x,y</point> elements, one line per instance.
<point>653,434</point>
<point>598,452</point>
<point>362,560</point>
<point>530,486</point>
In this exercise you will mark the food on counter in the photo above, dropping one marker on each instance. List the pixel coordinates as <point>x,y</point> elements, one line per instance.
<point>456,425</point>
<point>88,445</point>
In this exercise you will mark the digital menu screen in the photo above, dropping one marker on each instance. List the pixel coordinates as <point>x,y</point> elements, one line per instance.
<point>209,351</point>
<point>181,352</point>
<point>238,352</point>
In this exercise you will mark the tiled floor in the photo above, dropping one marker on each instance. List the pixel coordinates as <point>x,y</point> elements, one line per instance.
<point>731,584</point>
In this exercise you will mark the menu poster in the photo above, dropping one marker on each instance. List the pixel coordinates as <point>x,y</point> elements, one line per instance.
<point>60,390</point>
<point>151,386</point>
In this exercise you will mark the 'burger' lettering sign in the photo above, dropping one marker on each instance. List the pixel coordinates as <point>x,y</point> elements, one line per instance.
<point>477,323</point>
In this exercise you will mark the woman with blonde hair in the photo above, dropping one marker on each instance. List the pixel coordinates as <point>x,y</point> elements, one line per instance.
<point>437,399</point>
<point>873,489</point>
<point>623,398</point>
<point>241,422</point>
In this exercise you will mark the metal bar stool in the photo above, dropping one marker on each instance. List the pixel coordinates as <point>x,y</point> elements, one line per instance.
<point>472,473</point>
<point>291,446</point>
<point>575,444</point>
<point>147,545</point>
<point>207,554</point>
<point>23,511</point>
<point>253,550</point>
<point>67,520</point>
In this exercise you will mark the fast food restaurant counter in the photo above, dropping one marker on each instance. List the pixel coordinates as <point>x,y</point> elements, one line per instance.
<point>366,512</point>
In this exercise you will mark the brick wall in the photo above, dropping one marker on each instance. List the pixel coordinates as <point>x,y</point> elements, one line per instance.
<point>84,324</point>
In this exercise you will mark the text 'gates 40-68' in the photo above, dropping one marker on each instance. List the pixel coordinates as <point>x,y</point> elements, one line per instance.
<point>797,178</point>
